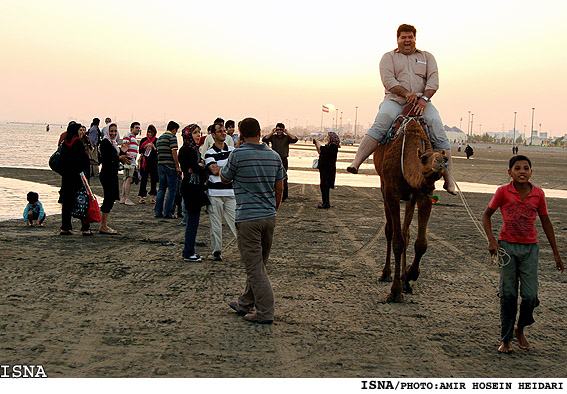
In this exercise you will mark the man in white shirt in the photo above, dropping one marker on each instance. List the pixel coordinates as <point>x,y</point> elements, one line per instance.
<point>220,194</point>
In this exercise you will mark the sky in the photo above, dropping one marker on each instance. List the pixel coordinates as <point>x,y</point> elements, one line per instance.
<point>277,61</point>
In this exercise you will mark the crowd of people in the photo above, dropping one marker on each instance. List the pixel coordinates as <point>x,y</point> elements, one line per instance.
<point>212,171</point>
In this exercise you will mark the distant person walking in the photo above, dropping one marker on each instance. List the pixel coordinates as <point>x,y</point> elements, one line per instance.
<point>469,151</point>
<point>169,172</point>
<point>257,174</point>
<point>148,165</point>
<point>280,139</point>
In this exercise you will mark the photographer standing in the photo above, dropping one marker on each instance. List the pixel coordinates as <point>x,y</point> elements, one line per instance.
<point>280,139</point>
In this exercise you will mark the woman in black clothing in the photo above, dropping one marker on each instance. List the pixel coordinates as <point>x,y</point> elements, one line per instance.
<point>148,165</point>
<point>74,161</point>
<point>110,156</point>
<point>192,187</point>
<point>327,166</point>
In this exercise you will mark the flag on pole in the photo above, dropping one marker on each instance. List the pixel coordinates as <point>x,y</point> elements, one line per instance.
<point>325,109</point>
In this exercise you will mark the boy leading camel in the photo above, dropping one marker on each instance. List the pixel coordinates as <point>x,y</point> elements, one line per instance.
<point>519,203</point>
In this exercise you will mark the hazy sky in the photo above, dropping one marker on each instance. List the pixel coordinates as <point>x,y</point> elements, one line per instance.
<point>193,61</point>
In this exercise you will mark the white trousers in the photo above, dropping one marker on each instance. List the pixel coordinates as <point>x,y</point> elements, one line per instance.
<point>221,206</point>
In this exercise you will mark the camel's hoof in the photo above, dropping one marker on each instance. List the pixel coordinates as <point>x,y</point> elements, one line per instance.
<point>385,278</point>
<point>408,289</point>
<point>412,274</point>
<point>395,298</point>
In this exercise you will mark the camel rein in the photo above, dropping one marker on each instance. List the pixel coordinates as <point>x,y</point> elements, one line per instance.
<point>501,259</point>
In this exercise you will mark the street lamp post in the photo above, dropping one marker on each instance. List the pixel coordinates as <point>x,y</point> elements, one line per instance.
<point>472,122</point>
<point>469,126</point>
<point>532,134</point>
<point>514,140</point>
<point>355,121</point>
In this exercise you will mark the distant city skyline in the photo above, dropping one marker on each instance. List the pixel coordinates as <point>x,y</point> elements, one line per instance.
<point>191,61</point>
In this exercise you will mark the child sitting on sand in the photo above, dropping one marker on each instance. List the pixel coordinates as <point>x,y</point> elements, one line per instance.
<point>519,203</point>
<point>34,213</point>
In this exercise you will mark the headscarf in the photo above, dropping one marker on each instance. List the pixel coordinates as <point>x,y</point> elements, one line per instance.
<point>72,131</point>
<point>334,139</point>
<point>112,141</point>
<point>187,134</point>
<point>153,129</point>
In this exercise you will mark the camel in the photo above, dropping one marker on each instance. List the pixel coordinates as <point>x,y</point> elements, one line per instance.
<point>414,183</point>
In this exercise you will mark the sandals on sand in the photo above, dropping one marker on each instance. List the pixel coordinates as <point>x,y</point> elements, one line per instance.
<point>141,200</point>
<point>87,233</point>
<point>109,232</point>
<point>65,232</point>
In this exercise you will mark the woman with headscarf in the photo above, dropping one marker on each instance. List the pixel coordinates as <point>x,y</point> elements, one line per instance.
<point>192,187</point>
<point>110,156</point>
<point>327,166</point>
<point>148,165</point>
<point>74,160</point>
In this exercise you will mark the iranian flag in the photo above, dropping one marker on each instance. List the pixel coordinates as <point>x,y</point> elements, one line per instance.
<point>325,109</point>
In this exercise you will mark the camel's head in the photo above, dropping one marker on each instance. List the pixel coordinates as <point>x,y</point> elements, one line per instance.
<point>432,166</point>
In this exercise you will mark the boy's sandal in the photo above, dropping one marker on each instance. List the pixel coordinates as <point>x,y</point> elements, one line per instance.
<point>110,232</point>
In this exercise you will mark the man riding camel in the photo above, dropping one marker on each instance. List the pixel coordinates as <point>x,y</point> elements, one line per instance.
<point>410,77</point>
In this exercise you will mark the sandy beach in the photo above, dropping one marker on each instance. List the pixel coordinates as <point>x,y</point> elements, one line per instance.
<point>128,306</point>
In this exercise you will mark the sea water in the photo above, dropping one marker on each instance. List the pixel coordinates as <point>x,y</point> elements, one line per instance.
<point>31,146</point>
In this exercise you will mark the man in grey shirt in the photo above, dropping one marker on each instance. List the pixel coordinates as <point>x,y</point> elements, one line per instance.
<point>257,175</point>
<point>410,76</point>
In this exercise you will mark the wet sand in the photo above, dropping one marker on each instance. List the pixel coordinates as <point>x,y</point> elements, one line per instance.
<point>128,306</point>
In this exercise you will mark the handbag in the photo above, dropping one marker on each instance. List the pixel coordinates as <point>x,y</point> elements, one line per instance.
<point>81,205</point>
<point>93,213</point>
<point>315,163</point>
<point>55,160</point>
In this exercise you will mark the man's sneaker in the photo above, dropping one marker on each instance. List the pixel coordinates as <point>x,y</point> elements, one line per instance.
<point>195,258</point>
<point>217,256</point>
<point>234,305</point>
<point>253,317</point>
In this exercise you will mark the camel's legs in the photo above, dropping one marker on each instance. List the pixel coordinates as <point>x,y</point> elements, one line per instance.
<point>387,270</point>
<point>393,206</point>
<point>420,246</point>
<point>408,216</point>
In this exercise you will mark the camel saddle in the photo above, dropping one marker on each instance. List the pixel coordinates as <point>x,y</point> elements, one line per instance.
<point>408,112</point>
